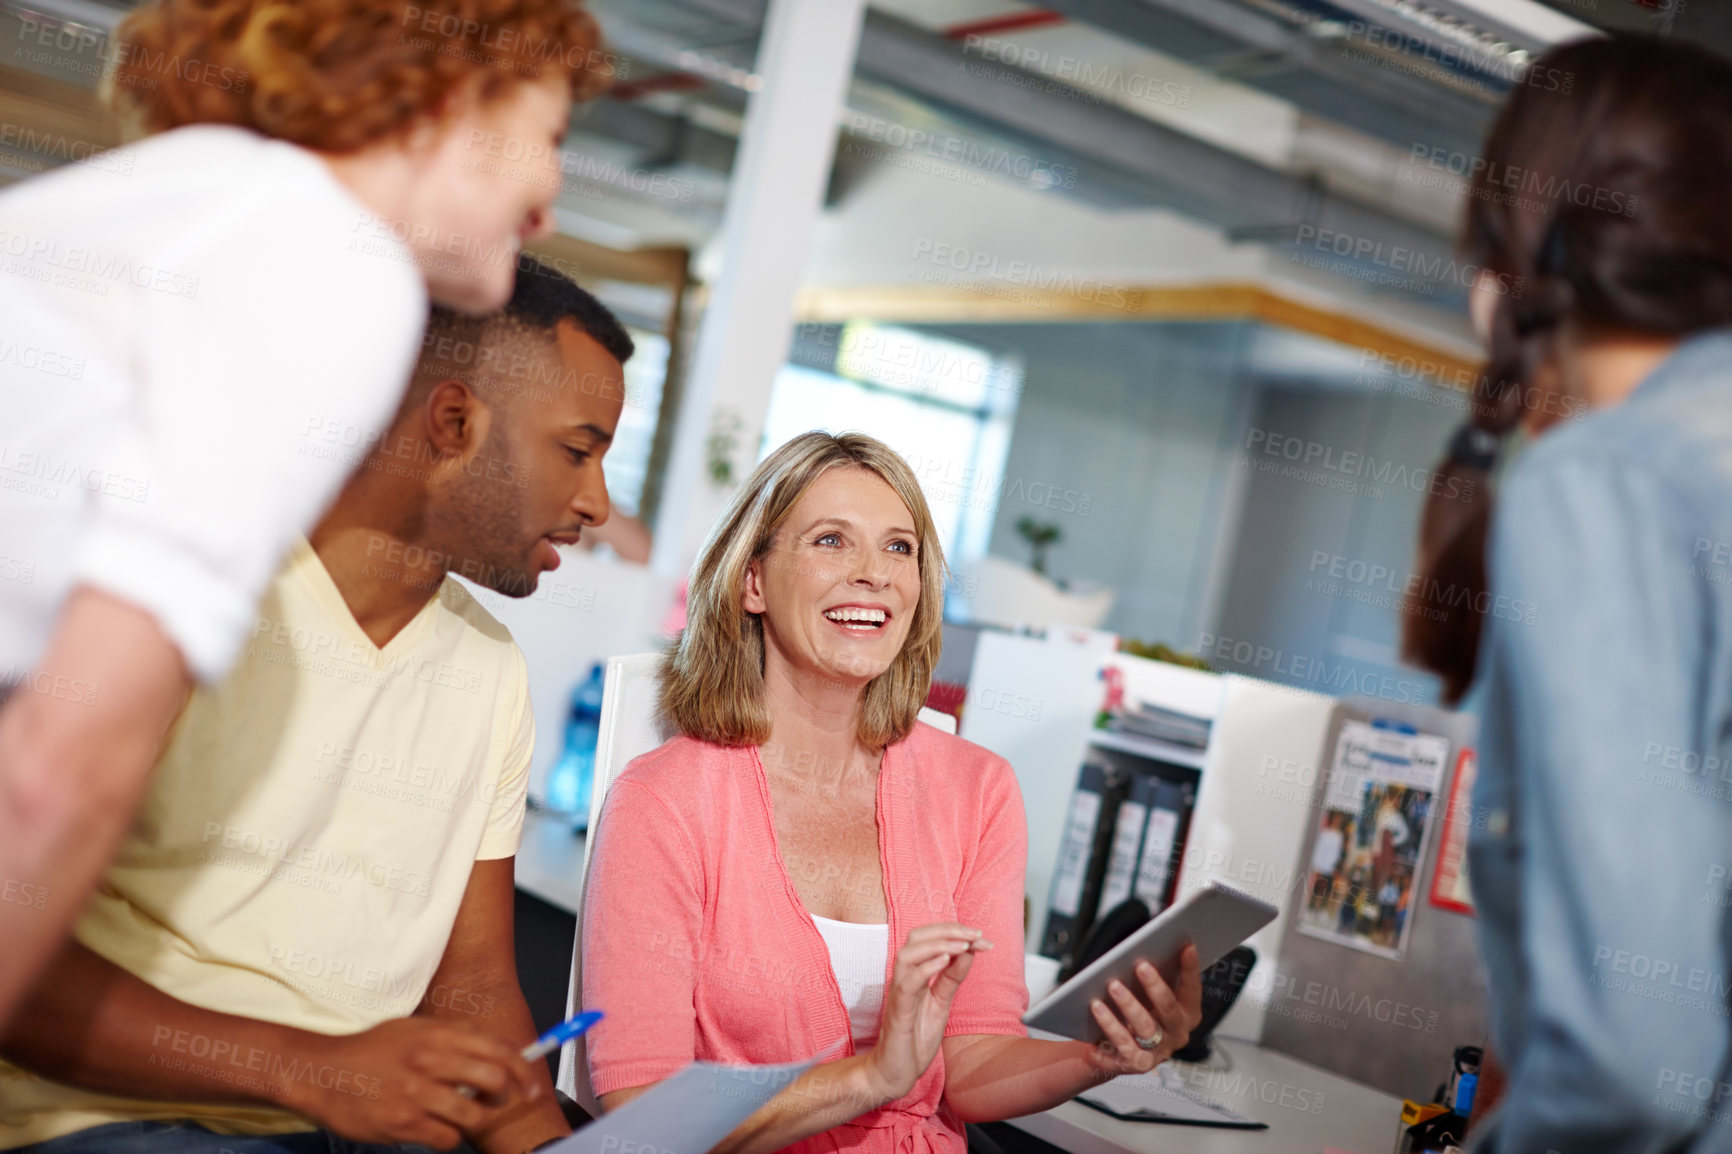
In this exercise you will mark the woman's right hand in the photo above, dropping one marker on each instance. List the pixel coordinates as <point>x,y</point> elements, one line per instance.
<point>929,969</point>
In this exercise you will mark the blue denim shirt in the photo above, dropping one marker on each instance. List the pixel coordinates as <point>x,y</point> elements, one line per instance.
<point>1601,846</point>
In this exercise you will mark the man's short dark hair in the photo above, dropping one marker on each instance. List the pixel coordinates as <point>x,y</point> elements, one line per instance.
<point>545,296</point>
<point>542,297</point>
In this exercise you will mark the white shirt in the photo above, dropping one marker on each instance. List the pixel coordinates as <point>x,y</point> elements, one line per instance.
<point>859,953</point>
<point>196,335</point>
<point>1326,855</point>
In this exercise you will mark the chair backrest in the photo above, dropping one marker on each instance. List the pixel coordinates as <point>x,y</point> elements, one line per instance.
<point>630,727</point>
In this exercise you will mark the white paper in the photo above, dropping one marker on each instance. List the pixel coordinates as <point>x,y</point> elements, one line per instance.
<point>1162,1094</point>
<point>686,1113</point>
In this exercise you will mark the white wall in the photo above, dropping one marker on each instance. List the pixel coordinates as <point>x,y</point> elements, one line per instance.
<point>588,609</point>
<point>1334,632</point>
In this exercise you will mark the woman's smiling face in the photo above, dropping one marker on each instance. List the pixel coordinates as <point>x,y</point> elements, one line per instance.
<point>837,589</point>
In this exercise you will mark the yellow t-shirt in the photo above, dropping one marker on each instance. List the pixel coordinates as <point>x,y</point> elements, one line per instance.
<point>307,837</point>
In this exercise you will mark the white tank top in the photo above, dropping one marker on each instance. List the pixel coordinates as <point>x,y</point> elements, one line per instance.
<point>858,954</point>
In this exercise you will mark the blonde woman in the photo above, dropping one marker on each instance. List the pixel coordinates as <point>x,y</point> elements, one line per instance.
<point>807,865</point>
<point>195,322</point>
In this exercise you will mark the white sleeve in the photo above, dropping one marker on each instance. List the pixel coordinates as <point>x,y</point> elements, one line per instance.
<point>284,334</point>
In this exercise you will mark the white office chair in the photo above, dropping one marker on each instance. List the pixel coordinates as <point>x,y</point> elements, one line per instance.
<point>630,727</point>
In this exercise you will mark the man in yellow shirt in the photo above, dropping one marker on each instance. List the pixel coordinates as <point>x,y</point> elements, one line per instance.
<point>305,942</point>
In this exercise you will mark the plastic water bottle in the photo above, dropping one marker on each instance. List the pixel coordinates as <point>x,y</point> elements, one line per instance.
<point>572,779</point>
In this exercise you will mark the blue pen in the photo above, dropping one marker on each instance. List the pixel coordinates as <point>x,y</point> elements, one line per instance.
<point>550,1041</point>
<point>560,1035</point>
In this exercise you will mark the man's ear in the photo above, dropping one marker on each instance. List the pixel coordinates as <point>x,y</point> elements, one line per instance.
<point>452,418</point>
<point>752,587</point>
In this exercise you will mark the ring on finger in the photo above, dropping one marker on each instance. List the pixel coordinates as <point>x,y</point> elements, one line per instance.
<point>1150,1043</point>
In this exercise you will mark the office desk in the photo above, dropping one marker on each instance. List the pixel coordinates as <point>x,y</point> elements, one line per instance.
<point>549,882</point>
<point>1307,1109</point>
<point>550,861</point>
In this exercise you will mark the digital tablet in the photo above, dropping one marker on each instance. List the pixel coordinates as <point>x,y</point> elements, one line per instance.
<point>1216,918</point>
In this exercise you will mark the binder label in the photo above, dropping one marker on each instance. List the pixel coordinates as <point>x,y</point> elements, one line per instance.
<point>1079,836</point>
<point>1151,885</point>
<point>1122,863</point>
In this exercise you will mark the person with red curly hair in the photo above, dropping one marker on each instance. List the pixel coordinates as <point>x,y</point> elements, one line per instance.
<point>178,333</point>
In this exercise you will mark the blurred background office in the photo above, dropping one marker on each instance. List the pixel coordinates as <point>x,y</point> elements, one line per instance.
<point>1162,300</point>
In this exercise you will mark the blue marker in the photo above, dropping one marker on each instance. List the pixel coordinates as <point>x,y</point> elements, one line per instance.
<point>550,1041</point>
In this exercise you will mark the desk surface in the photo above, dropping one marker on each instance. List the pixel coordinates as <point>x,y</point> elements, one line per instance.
<point>1307,1110</point>
<point>550,861</point>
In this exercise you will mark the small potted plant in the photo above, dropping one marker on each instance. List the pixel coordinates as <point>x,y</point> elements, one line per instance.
<point>1041,536</point>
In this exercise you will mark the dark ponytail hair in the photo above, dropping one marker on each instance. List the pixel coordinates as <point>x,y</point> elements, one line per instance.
<point>1601,207</point>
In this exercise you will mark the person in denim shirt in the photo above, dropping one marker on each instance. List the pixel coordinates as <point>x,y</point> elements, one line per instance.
<point>1601,841</point>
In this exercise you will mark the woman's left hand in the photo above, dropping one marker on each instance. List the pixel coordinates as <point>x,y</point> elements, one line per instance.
<point>1162,1018</point>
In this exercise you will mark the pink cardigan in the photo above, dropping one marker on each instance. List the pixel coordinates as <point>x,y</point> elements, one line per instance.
<point>697,945</point>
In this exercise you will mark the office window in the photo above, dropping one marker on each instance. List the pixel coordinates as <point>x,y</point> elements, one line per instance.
<point>627,461</point>
<point>946,406</point>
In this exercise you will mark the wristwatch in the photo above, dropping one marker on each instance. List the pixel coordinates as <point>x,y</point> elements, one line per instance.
<point>1475,447</point>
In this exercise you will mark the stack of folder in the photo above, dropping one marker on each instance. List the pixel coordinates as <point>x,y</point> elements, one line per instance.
<point>1124,835</point>
<point>1145,720</point>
